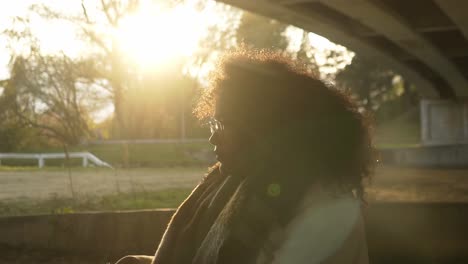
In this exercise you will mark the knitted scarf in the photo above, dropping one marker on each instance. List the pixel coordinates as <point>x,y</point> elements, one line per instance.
<point>220,222</point>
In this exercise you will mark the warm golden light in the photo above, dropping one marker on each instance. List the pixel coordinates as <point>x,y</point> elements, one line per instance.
<point>154,36</point>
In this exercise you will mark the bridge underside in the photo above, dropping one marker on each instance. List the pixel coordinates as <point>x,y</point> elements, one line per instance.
<point>424,40</point>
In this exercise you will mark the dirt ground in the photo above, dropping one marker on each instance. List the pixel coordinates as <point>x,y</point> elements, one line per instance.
<point>388,183</point>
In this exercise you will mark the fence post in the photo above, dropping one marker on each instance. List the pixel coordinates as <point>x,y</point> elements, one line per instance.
<point>40,161</point>
<point>85,160</point>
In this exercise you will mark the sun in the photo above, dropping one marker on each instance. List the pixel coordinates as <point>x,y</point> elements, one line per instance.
<point>155,36</point>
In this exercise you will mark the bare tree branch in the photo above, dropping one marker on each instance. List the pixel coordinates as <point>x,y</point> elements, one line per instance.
<point>94,38</point>
<point>85,12</point>
<point>105,8</point>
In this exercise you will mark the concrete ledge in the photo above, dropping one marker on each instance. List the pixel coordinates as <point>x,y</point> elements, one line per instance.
<point>449,156</point>
<point>396,232</point>
<point>104,234</point>
<point>417,232</point>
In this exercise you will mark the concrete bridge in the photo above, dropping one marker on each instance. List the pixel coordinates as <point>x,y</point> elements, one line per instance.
<point>426,41</point>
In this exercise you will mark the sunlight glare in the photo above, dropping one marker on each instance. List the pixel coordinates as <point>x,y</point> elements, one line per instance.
<point>57,36</point>
<point>154,36</point>
<point>320,42</point>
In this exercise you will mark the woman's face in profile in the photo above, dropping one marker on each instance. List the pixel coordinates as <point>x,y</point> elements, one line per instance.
<point>226,145</point>
<point>229,138</point>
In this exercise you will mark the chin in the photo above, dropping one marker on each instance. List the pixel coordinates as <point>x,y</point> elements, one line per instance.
<point>223,168</point>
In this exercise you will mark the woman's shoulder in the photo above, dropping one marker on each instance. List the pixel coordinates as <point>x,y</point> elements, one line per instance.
<point>323,227</point>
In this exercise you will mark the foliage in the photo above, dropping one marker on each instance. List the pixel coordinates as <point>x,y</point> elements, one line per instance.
<point>147,103</point>
<point>11,132</point>
<point>10,135</point>
<point>259,32</point>
<point>159,106</point>
<point>390,98</point>
<point>14,134</point>
<point>377,89</point>
<point>15,137</point>
<point>45,93</point>
<point>368,81</point>
<point>96,29</point>
<point>404,101</point>
<point>47,99</point>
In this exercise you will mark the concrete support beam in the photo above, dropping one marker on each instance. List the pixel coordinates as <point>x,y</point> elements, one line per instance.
<point>325,26</point>
<point>375,16</point>
<point>457,11</point>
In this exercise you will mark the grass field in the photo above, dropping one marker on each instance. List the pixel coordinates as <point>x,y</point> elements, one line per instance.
<point>45,183</point>
<point>42,191</point>
<point>33,191</point>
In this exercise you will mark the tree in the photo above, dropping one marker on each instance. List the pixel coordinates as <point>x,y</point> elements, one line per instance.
<point>158,105</point>
<point>376,88</point>
<point>44,92</point>
<point>12,134</point>
<point>125,80</point>
<point>97,28</point>
<point>368,80</point>
<point>259,32</point>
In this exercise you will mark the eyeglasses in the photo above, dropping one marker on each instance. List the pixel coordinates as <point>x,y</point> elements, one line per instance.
<point>215,125</point>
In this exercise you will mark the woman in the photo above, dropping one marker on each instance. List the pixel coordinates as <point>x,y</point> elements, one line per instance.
<point>288,188</point>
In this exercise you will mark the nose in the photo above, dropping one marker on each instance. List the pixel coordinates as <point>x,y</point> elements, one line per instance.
<point>214,138</point>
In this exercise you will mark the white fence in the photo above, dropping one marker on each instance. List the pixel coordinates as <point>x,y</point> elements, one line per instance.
<point>41,157</point>
<point>145,141</point>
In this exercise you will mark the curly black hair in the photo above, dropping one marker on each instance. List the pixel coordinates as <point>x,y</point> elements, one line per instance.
<point>314,130</point>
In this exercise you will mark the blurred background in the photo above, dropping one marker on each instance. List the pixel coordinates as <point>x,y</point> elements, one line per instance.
<point>119,79</point>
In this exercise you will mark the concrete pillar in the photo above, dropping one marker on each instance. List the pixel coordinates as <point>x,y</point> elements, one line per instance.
<point>444,122</point>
